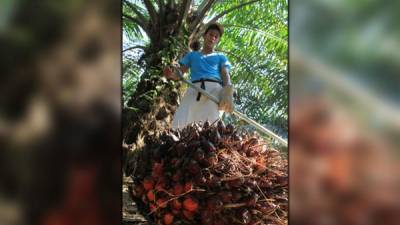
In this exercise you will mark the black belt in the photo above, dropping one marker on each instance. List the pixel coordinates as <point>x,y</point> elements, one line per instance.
<point>203,86</point>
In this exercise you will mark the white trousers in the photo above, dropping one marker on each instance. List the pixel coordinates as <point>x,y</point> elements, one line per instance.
<point>190,110</point>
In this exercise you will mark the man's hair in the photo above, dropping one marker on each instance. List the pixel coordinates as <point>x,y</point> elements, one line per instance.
<point>195,45</point>
<point>215,26</point>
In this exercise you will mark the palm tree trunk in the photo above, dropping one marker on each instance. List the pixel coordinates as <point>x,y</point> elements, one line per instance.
<point>152,105</point>
<point>150,110</point>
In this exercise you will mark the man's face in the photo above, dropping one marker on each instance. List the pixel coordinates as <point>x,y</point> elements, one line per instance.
<point>211,38</point>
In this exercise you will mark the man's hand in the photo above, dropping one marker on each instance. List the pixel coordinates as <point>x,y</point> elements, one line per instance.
<point>226,102</point>
<point>170,74</point>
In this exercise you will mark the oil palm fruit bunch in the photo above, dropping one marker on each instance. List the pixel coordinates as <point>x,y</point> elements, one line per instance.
<point>210,174</point>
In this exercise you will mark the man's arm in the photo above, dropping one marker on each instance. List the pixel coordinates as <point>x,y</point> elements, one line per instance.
<point>184,69</point>
<point>170,73</point>
<point>226,79</point>
<point>226,103</point>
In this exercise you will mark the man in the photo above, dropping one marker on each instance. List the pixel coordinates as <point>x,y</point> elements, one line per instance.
<point>210,71</point>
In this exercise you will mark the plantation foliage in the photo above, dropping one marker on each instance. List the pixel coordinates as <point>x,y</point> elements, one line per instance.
<point>156,33</point>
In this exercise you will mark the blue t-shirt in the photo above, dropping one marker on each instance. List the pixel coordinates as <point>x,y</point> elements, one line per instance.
<point>205,66</point>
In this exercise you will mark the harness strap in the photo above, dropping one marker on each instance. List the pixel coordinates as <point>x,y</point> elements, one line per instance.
<point>203,85</point>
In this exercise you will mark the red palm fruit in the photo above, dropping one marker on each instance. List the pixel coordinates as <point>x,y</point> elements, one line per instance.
<point>210,205</point>
<point>168,218</point>
<point>206,217</point>
<point>190,204</point>
<point>176,212</point>
<point>188,186</point>
<point>214,182</point>
<point>252,153</point>
<point>157,169</point>
<point>218,204</point>
<point>148,183</point>
<point>207,145</point>
<point>229,129</point>
<point>245,147</point>
<point>152,207</point>
<point>151,196</point>
<point>252,184</point>
<point>264,183</point>
<point>180,148</point>
<point>253,141</point>
<point>226,196</point>
<point>283,181</point>
<point>176,204</point>
<point>193,167</point>
<point>170,190</point>
<point>162,203</point>
<point>236,196</point>
<point>211,159</point>
<point>160,186</point>
<point>199,155</point>
<point>236,183</point>
<point>174,162</point>
<point>161,179</point>
<point>188,214</point>
<point>214,137</point>
<point>235,136</point>
<point>177,176</point>
<point>168,72</point>
<point>200,180</point>
<point>178,189</point>
<point>252,200</point>
<point>193,144</point>
<point>219,222</point>
<point>57,218</point>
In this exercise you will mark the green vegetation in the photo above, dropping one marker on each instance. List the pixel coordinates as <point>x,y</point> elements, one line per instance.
<point>156,33</point>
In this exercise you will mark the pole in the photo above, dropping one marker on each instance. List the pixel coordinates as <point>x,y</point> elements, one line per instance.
<point>235,112</point>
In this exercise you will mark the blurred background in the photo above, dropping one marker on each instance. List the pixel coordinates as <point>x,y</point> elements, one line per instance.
<point>60,112</point>
<point>344,123</point>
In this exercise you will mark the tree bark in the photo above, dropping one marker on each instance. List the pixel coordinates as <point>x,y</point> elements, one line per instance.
<point>151,107</point>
